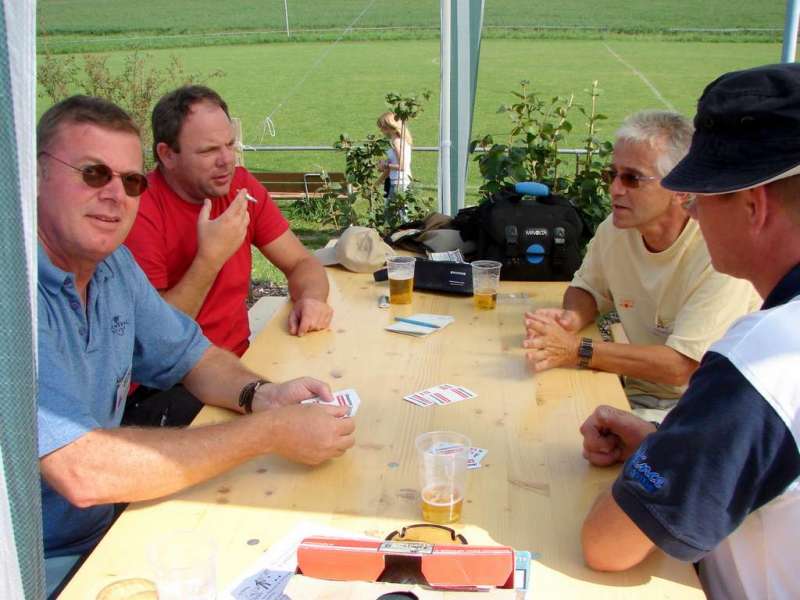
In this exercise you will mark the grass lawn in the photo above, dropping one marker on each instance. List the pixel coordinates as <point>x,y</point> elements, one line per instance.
<point>345,92</point>
<point>182,18</point>
<point>316,90</point>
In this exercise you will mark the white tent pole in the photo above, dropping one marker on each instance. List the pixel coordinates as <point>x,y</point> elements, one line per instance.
<point>445,142</point>
<point>790,31</point>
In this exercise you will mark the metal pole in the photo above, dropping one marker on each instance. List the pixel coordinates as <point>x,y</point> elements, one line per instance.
<point>286,17</point>
<point>790,31</point>
<point>445,141</point>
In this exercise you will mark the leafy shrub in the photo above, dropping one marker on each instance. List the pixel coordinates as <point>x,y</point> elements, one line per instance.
<point>364,204</point>
<point>538,128</point>
<point>136,88</point>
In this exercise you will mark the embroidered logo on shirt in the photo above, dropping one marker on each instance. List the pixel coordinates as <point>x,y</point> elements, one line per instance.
<point>118,326</point>
<point>662,328</point>
<point>626,303</point>
<point>638,470</point>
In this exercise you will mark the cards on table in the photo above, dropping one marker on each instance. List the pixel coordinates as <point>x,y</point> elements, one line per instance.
<point>348,398</point>
<point>420,324</point>
<point>440,395</point>
<point>474,457</point>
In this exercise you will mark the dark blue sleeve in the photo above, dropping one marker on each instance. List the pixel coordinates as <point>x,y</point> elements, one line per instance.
<point>719,455</point>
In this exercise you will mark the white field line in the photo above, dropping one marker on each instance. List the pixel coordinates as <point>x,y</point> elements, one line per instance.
<point>641,76</point>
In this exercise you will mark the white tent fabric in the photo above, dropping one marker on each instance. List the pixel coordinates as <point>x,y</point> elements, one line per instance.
<point>10,580</point>
<point>21,572</point>
<point>462,21</point>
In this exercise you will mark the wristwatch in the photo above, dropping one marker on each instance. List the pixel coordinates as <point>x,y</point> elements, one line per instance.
<point>247,393</point>
<point>585,351</point>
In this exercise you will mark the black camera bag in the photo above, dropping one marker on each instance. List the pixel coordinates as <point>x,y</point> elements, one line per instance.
<point>535,238</point>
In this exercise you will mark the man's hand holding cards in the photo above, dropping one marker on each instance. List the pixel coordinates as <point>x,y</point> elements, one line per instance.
<point>347,398</point>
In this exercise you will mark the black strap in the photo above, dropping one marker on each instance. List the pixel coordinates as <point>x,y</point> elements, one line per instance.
<point>247,393</point>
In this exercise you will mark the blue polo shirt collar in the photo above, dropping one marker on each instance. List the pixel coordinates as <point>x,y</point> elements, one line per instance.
<point>54,279</point>
<point>787,288</point>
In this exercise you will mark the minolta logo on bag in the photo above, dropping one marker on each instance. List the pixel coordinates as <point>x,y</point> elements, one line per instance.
<point>536,231</point>
<point>462,273</point>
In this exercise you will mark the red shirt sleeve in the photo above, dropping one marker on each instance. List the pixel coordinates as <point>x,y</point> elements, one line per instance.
<point>147,241</point>
<point>268,222</point>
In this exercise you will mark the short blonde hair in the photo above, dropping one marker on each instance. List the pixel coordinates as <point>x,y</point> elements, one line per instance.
<point>389,120</point>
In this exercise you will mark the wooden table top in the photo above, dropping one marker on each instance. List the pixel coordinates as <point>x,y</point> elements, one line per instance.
<point>531,493</point>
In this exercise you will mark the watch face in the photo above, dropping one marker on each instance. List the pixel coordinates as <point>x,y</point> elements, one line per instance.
<point>586,349</point>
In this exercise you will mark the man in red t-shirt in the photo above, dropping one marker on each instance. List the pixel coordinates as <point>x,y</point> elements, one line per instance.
<point>196,225</point>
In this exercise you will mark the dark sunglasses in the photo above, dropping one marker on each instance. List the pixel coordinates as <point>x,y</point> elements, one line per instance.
<point>629,180</point>
<point>98,175</point>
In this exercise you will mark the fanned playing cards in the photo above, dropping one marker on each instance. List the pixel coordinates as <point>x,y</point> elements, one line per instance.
<point>440,395</point>
<point>348,398</point>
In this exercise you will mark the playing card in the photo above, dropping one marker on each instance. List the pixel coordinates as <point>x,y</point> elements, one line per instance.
<point>419,400</point>
<point>475,457</point>
<point>442,395</point>
<point>348,398</point>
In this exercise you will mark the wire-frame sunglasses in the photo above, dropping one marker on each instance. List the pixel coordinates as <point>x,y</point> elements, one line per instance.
<point>427,532</point>
<point>628,180</point>
<point>98,175</point>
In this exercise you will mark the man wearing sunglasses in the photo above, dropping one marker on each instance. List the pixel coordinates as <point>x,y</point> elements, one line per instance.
<point>198,222</point>
<point>647,261</point>
<point>101,323</point>
<point>719,481</point>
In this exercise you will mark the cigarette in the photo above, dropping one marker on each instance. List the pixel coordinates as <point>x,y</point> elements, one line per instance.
<point>249,197</point>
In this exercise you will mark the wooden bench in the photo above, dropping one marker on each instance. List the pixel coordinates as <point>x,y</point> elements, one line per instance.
<point>297,185</point>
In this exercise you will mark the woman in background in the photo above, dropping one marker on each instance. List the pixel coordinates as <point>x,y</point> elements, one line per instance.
<point>397,167</point>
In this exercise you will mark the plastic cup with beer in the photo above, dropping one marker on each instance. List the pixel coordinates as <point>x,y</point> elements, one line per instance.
<point>401,278</point>
<point>443,474</point>
<point>185,566</point>
<point>485,277</point>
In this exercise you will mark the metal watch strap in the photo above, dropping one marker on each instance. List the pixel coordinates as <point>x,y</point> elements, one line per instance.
<point>585,351</point>
<point>247,393</point>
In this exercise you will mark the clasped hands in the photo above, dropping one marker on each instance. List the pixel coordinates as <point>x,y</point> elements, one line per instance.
<point>551,338</point>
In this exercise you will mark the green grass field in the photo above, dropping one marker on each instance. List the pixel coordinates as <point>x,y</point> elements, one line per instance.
<point>123,16</point>
<point>345,93</point>
<point>88,25</point>
<point>317,90</point>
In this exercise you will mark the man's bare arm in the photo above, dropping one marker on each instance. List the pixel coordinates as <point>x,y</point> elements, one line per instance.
<point>308,283</point>
<point>132,464</point>
<point>582,304</point>
<point>660,364</point>
<point>611,541</point>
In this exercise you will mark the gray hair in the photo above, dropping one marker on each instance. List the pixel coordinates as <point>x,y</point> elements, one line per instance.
<point>662,130</point>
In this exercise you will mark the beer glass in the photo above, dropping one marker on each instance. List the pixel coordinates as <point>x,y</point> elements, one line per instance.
<point>443,474</point>
<point>485,277</point>
<point>401,278</point>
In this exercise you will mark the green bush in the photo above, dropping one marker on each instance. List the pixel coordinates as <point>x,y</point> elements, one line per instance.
<point>538,128</point>
<point>136,88</point>
<point>364,203</point>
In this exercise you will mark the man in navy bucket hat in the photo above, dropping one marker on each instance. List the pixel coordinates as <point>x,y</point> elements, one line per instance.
<point>718,482</point>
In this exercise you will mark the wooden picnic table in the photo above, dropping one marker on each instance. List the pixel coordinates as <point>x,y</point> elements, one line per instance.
<point>533,489</point>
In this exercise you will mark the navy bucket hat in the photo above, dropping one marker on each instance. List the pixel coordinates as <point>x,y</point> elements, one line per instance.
<point>747,132</point>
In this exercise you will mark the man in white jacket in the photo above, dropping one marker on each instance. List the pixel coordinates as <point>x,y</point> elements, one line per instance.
<point>718,481</point>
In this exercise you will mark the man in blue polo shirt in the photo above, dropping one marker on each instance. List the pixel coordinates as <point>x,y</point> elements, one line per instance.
<point>719,481</point>
<point>101,324</point>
